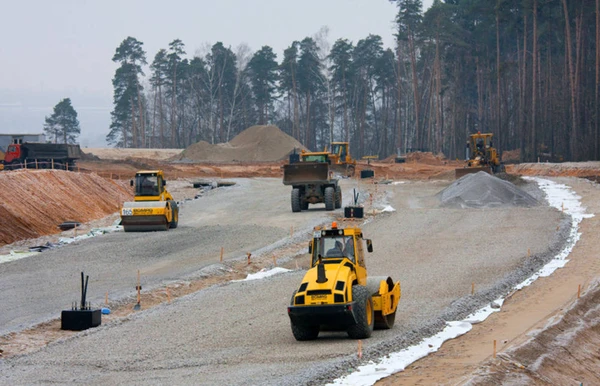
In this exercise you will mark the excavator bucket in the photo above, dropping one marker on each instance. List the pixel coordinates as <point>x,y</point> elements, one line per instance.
<point>460,172</point>
<point>145,216</point>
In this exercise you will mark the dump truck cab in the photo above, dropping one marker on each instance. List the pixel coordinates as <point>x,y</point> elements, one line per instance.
<point>336,294</point>
<point>153,208</point>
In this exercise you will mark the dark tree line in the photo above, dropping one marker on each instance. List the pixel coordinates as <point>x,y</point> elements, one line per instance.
<point>526,70</point>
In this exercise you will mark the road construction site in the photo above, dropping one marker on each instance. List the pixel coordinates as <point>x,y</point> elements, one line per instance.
<point>200,322</point>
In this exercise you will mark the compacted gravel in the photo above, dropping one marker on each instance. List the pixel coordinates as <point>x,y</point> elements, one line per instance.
<point>238,333</point>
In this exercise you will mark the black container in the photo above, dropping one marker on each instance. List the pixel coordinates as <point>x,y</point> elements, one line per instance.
<point>78,320</point>
<point>367,173</point>
<point>353,212</point>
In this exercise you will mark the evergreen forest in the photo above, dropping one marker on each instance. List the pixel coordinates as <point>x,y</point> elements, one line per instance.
<point>527,71</point>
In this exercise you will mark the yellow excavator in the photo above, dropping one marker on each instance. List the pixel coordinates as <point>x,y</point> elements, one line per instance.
<point>154,208</point>
<point>480,156</point>
<point>336,294</point>
<point>339,158</point>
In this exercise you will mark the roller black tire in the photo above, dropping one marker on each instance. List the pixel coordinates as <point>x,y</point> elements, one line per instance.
<point>329,198</point>
<point>175,221</point>
<point>338,197</point>
<point>365,315</point>
<point>304,205</point>
<point>305,332</point>
<point>296,200</point>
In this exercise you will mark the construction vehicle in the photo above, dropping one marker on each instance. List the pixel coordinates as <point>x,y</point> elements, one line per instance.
<point>480,155</point>
<point>154,208</point>
<point>41,156</point>
<point>312,182</point>
<point>336,294</point>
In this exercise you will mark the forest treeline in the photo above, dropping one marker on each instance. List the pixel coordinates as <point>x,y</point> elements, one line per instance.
<point>526,70</point>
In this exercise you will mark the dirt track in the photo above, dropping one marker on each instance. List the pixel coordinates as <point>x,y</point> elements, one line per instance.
<point>239,333</point>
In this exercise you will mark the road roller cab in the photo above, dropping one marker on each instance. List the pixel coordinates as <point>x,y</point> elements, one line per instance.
<point>153,207</point>
<point>336,294</point>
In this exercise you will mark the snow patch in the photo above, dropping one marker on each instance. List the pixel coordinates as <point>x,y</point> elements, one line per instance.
<point>264,273</point>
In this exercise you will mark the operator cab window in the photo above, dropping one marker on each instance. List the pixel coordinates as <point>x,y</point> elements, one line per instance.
<point>334,247</point>
<point>146,185</point>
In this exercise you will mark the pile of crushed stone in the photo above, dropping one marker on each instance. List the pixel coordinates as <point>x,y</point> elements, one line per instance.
<point>256,143</point>
<point>482,190</point>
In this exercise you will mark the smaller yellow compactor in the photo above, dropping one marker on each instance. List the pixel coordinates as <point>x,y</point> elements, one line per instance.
<point>154,208</point>
<point>336,294</point>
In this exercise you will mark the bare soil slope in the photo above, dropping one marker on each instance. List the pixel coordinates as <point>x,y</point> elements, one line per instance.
<point>35,202</point>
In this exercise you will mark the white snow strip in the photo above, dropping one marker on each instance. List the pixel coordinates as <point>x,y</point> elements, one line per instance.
<point>559,196</point>
<point>388,208</point>
<point>263,273</point>
<point>398,182</point>
<point>16,255</point>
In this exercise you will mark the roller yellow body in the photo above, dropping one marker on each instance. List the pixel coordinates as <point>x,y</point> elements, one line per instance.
<point>337,294</point>
<point>153,207</point>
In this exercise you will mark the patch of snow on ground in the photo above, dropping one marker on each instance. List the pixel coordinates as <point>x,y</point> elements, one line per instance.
<point>263,273</point>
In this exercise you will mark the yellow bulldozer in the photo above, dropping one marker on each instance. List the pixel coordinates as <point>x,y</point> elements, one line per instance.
<point>154,208</point>
<point>336,294</point>
<point>480,155</point>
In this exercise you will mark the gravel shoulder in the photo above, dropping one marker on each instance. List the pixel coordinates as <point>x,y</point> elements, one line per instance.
<point>239,333</point>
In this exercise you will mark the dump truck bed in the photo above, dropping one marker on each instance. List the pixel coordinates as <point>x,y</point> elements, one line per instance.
<point>306,173</point>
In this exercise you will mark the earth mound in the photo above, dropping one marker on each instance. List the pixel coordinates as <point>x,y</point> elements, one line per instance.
<point>482,190</point>
<point>255,144</point>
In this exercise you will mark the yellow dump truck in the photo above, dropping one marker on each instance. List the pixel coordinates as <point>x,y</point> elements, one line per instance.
<point>336,294</point>
<point>153,208</point>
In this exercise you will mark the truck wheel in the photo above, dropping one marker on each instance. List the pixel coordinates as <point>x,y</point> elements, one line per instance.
<point>296,200</point>
<point>338,197</point>
<point>329,198</point>
<point>175,219</point>
<point>365,315</point>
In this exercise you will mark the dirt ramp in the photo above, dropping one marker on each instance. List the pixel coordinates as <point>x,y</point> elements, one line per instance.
<point>255,144</point>
<point>482,190</point>
<point>34,202</point>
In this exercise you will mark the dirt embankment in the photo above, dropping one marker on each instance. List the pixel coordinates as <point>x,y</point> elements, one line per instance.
<point>35,202</point>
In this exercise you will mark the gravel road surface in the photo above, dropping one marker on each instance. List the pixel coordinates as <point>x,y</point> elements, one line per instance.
<point>239,333</point>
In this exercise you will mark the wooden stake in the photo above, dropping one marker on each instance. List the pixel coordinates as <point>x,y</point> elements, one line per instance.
<point>297,265</point>
<point>528,252</point>
<point>274,261</point>
<point>292,231</point>
<point>578,291</point>
<point>106,299</point>
<point>494,348</point>
<point>139,287</point>
<point>221,259</point>
<point>473,288</point>
<point>249,254</point>
<point>168,295</point>
<point>359,349</point>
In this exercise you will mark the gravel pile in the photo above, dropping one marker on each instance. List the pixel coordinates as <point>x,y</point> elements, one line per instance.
<point>482,190</point>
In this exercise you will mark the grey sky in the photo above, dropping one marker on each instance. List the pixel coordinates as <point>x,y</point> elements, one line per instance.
<point>63,48</point>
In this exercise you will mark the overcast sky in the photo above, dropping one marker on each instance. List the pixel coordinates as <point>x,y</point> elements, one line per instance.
<point>63,48</point>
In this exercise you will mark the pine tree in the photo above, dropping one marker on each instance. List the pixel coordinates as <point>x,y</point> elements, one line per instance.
<point>63,124</point>
<point>262,70</point>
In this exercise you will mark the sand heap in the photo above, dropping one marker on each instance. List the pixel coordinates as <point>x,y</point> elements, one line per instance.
<point>255,144</point>
<point>481,190</point>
